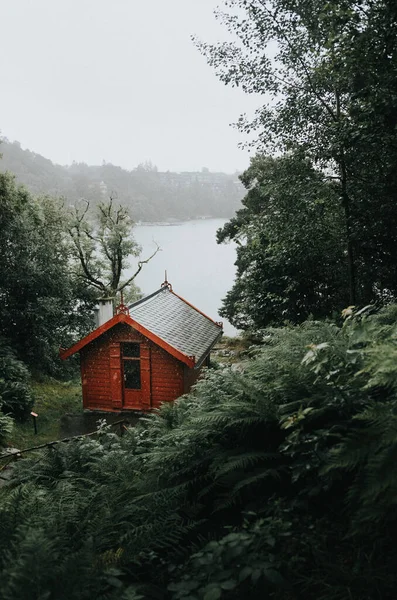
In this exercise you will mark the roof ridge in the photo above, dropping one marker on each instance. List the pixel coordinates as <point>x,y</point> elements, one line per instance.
<point>218,324</point>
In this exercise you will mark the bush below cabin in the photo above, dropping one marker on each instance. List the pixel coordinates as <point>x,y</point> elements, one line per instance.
<point>277,482</point>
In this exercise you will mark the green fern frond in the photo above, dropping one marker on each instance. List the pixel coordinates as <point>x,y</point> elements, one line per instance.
<point>243,462</point>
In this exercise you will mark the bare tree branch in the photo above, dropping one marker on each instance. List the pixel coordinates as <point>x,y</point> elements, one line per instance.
<point>113,241</point>
<point>75,234</point>
<point>139,269</point>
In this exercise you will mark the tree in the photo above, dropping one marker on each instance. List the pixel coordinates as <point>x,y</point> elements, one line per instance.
<point>103,248</point>
<point>147,167</point>
<point>329,71</point>
<point>42,304</point>
<point>290,259</point>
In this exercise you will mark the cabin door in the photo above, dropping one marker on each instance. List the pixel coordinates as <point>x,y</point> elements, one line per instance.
<point>135,375</point>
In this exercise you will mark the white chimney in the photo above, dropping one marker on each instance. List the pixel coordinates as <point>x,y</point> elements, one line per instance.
<point>103,312</point>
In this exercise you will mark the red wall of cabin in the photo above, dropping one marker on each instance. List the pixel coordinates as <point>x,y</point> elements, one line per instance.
<point>167,374</point>
<point>190,377</point>
<point>95,376</point>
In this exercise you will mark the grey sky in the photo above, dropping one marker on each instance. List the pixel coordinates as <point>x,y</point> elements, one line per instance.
<point>117,80</point>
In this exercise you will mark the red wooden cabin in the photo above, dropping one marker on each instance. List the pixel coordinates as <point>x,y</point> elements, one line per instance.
<point>148,353</point>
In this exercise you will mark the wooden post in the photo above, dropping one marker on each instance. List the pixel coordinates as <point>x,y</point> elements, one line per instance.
<point>34,416</point>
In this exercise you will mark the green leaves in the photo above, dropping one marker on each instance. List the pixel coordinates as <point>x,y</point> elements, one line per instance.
<point>6,427</point>
<point>103,248</point>
<point>290,259</point>
<point>212,593</point>
<point>236,564</point>
<point>327,76</point>
<point>276,483</point>
<point>39,291</point>
<point>16,397</point>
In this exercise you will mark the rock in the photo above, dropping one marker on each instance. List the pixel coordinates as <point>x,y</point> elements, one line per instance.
<point>6,474</point>
<point>224,353</point>
<point>237,367</point>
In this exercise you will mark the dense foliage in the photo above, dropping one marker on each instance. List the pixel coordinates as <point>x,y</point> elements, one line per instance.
<point>16,399</point>
<point>278,482</point>
<point>151,195</point>
<point>42,303</point>
<point>290,253</point>
<point>328,73</point>
<point>6,427</point>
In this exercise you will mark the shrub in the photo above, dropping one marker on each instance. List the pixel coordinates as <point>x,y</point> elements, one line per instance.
<point>6,425</point>
<point>276,483</point>
<point>15,394</point>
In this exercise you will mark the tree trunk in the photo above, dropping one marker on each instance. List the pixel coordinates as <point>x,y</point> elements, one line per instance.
<point>351,267</point>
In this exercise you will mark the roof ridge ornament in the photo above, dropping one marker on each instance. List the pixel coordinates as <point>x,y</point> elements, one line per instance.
<point>122,309</point>
<point>166,284</point>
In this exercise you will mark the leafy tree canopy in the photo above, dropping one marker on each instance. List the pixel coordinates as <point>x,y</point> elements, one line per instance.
<point>43,305</point>
<point>290,253</point>
<point>328,72</point>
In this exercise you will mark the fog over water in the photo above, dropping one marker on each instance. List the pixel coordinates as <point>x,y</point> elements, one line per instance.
<point>199,269</point>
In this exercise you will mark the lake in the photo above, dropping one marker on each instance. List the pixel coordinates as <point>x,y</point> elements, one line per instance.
<point>199,269</point>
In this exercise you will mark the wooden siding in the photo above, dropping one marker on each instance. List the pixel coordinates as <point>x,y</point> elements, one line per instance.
<point>166,377</point>
<point>95,370</point>
<point>101,371</point>
<point>115,375</point>
<point>122,319</point>
<point>192,375</point>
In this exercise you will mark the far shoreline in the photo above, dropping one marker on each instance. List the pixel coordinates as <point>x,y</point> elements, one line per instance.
<point>175,222</point>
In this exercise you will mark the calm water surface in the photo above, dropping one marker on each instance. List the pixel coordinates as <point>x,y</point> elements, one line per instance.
<point>198,268</point>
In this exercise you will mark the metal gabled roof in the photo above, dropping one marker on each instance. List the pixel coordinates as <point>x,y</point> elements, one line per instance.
<point>127,320</point>
<point>177,322</point>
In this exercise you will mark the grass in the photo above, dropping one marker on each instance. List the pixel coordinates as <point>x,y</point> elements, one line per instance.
<point>53,399</point>
<point>237,346</point>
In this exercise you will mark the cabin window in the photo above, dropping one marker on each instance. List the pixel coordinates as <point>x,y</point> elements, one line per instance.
<point>131,366</point>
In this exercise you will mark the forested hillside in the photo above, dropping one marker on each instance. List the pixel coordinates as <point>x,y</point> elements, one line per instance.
<point>151,195</point>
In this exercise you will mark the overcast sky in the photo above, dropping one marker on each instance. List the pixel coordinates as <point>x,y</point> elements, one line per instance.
<point>117,80</point>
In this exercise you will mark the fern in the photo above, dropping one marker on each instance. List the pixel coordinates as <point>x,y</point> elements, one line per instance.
<point>302,446</point>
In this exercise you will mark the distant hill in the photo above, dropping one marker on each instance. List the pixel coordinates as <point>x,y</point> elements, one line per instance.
<point>151,195</point>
